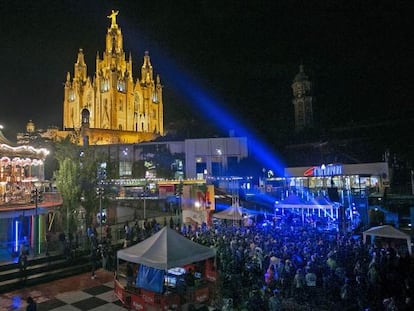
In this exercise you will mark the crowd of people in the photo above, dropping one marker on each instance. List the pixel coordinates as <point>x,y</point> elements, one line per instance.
<point>279,264</point>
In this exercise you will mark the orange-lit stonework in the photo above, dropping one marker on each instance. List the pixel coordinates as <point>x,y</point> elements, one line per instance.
<point>112,107</point>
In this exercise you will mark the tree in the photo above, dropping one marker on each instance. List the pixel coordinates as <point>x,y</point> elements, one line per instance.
<point>67,182</point>
<point>88,179</point>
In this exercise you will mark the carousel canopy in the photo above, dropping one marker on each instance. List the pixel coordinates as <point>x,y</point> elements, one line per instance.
<point>4,140</point>
<point>10,152</point>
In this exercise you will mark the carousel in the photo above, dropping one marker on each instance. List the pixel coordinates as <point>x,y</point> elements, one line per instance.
<point>22,208</point>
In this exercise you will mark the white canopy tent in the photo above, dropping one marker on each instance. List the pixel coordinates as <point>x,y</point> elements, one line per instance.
<point>388,231</point>
<point>166,249</point>
<point>231,213</point>
<point>319,204</point>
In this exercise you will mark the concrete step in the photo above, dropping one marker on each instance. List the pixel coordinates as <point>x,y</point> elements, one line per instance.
<point>42,270</point>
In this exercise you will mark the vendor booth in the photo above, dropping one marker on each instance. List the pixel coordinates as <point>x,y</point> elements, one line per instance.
<point>169,271</point>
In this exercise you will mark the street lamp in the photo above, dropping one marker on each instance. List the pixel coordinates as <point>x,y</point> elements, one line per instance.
<point>179,192</point>
<point>100,193</point>
<point>144,197</point>
<point>36,199</point>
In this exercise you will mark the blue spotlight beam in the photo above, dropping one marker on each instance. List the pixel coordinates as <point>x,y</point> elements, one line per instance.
<point>215,111</point>
<point>212,108</point>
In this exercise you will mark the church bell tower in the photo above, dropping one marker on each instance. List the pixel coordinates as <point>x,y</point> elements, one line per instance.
<point>302,101</point>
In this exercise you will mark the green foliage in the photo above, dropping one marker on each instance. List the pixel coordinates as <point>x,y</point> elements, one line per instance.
<point>88,179</point>
<point>67,182</point>
<point>138,169</point>
<point>66,149</point>
<point>112,170</point>
<point>76,177</point>
<point>163,161</point>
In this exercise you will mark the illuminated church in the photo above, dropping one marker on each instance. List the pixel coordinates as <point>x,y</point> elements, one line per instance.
<point>113,107</point>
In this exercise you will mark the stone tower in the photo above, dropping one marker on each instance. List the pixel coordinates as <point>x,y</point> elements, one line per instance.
<point>113,107</point>
<point>302,101</point>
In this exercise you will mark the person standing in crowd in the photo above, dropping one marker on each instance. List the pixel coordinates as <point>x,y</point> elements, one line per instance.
<point>310,279</point>
<point>48,239</point>
<point>298,284</point>
<point>275,303</point>
<point>127,231</point>
<point>129,274</point>
<point>270,278</point>
<point>94,259</point>
<point>23,265</point>
<point>108,233</point>
<point>189,280</point>
<point>31,304</point>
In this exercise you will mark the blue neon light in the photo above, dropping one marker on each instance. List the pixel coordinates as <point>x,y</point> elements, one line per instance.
<point>16,235</point>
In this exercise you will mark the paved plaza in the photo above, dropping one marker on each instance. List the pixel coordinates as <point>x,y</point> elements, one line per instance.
<point>74,293</point>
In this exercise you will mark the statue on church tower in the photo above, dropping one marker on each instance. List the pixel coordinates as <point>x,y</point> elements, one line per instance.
<point>302,100</point>
<point>112,16</point>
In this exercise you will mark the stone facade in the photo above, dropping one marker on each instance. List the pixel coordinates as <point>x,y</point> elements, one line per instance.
<point>302,101</point>
<point>113,107</point>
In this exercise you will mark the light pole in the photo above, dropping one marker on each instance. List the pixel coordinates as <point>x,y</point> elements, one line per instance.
<point>145,208</point>
<point>144,197</point>
<point>100,192</point>
<point>179,193</point>
<point>36,222</point>
<point>36,199</point>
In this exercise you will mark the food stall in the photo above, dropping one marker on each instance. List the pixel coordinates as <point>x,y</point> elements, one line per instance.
<point>169,271</point>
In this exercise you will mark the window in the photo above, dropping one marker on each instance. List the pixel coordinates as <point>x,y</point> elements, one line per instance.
<point>104,85</point>
<point>71,95</point>
<point>121,86</point>
<point>125,168</point>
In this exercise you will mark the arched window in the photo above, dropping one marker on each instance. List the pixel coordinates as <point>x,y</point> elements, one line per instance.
<point>85,116</point>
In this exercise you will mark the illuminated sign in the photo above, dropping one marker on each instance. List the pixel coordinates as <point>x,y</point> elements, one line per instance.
<point>323,170</point>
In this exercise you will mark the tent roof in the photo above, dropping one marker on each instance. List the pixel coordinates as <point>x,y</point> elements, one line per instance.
<point>166,249</point>
<point>292,201</point>
<point>232,213</point>
<point>386,231</point>
<point>320,200</point>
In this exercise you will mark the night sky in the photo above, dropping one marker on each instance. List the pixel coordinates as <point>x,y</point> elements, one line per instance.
<point>245,54</point>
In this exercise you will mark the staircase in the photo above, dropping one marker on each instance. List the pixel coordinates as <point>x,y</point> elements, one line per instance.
<point>42,269</point>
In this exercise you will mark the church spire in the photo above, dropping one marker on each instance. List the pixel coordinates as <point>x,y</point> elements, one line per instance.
<point>146,70</point>
<point>67,82</point>
<point>80,67</point>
